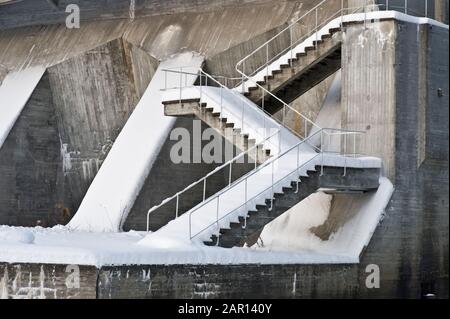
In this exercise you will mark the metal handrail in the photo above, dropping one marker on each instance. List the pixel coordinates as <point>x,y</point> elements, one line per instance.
<point>204,178</point>
<point>259,110</point>
<point>262,166</point>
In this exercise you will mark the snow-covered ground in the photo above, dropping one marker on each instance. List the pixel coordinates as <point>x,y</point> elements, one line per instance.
<point>115,187</point>
<point>296,244</point>
<point>15,90</point>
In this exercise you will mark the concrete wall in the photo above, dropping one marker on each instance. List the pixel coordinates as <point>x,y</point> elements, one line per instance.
<point>398,83</point>
<point>30,166</point>
<point>34,12</point>
<point>34,281</point>
<point>94,94</point>
<point>368,88</point>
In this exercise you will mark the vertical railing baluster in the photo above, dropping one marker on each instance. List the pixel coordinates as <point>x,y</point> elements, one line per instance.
<point>177,206</point>
<point>292,53</point>
<point>317,18</point>
<point>229,175</point>
<point>217,212</point>
<point>273,192</point>
<point>204,189</point>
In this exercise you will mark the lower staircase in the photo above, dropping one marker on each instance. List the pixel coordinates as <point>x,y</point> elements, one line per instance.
<point>246,230</point>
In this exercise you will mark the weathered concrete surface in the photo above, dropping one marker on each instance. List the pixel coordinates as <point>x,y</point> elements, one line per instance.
<point>368,88</point>
<point>33,12</point>
<point>399,99</point>
<point>30,166</point>
<point>208,33</point>
<point>39,281</point>
<point>94,94</point>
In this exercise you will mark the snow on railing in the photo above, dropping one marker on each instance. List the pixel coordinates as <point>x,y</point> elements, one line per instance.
<point>271,176</point>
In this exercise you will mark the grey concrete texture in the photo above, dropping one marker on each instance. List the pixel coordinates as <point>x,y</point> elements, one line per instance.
<point>48,281</point>
<point>30,167</point>
<point>411,243</point>
<point>66,131</point>
<point>37,12</point>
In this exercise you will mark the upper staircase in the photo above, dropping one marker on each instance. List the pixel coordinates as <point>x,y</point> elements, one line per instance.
<point>296,72</point>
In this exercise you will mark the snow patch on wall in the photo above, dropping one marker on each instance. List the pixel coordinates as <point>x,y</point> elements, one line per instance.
<point>15,91</point>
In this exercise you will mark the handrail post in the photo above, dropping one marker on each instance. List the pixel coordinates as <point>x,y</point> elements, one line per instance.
<point>201,88</point>
<point>181,83</point>
<point>406,6</point>
<point>204,189</point>
<point>342,14</point>
<point>426,8</point>
<point>229,174</point>
<point>246,211</point>
<point>177,206</point>
<point>273,193</point>
<point>217,212</point>
<point>292,53</point>
<point>317,18</point>
<point>365,14</point>
<point>165,80</point>
<point>190,226</point>
<point>321,150</point>
<point>267,61</point>
<point>221,105</point>
<point>387,5</point>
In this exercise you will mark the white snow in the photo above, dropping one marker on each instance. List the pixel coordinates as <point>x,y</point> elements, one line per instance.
<point>60,245</point>
<point>17,235</point>
<point>357,221</point>
<point>15,90</point>
<point>300,48</point>
<point>120,178</point>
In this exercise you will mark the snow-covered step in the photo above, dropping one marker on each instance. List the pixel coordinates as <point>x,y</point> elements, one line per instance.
<point>245,115</point>
<point>295,73</point>
<point>245,230</point>
<point>192,107</point>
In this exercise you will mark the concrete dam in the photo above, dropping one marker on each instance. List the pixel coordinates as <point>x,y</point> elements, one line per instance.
<point>224,149</point>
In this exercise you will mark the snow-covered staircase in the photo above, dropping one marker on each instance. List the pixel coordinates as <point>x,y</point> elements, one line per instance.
<point>299,70</point>
<point>225,127</point>
<point>300,163</point>
<point>246,229</point>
